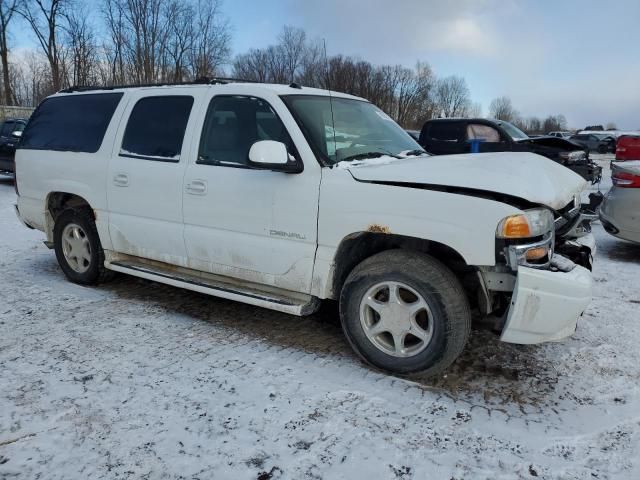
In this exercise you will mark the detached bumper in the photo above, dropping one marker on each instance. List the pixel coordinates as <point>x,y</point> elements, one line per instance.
<point>546,305</point>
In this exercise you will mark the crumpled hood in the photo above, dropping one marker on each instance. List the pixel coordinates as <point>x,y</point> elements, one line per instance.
<point>524,175</point>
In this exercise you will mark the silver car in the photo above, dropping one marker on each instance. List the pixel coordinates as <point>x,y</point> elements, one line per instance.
<point>620,209</point>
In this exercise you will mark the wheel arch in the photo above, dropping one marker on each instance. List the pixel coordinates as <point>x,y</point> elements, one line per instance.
<point>357,247</point>
<point>56,203</point>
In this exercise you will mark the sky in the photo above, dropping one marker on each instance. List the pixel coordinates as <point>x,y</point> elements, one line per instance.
<point>579,58</point>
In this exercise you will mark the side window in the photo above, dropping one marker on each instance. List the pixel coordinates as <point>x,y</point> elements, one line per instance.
<point>70,123</point>
<point>156,127</point>
<point>233,124</point>
<point>487,133</point>
<point>445,131</point>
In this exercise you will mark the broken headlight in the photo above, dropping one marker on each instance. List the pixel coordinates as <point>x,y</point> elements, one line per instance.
<point>573,157</point>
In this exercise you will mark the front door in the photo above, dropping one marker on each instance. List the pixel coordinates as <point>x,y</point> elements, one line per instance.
<point>255,225</point>
<point>144,190</point>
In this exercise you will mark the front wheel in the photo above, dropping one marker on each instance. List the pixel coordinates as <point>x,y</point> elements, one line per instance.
<point>405,312</point>
<point>78,249</point>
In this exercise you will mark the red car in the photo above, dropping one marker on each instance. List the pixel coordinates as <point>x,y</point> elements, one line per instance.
<point>628,148</point>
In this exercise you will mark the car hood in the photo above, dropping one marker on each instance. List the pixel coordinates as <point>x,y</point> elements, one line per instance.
<point>552,142</point>
<point>523,175</point>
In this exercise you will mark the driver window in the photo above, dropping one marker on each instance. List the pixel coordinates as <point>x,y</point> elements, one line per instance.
<point>482,132</point>
<point>233,124</point>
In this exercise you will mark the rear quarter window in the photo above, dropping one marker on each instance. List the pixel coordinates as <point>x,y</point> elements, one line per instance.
<point>445,131</point>
<point>74,123</point>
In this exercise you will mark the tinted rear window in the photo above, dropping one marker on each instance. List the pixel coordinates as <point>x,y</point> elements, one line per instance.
<point>156,127</point>
<point>445,131</point>
<point>74,123</point>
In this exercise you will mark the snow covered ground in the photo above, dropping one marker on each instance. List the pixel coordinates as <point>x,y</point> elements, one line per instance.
<point>138,380</point>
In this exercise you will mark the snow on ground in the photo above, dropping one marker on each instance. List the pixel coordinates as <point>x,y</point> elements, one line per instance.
<point>138,380</point>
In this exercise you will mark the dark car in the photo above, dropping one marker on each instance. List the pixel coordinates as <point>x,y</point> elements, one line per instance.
<point>10,133</point>
<point>446,136</point>
<point>595,142</point>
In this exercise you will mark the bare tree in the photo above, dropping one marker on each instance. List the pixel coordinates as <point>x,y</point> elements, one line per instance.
<point>453,97</point>
<point>293,48</point>
<point>554,123</point>
<point>212,39</point>
<point>475,110</point>
<point>83,48</point>
<point>43,17</point>
<point>7,11</point>
<point>501,108</point>
<point>179,41</point>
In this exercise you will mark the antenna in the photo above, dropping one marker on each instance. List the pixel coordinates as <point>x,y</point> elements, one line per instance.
<point>333,121</point>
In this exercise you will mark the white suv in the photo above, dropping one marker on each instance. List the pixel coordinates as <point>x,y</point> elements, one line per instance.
<point>281,196</point>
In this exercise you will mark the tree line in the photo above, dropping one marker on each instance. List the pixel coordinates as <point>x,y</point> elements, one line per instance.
<point>133,42</point>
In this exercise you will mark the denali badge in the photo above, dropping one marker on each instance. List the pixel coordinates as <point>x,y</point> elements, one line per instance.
<point>278,233</point>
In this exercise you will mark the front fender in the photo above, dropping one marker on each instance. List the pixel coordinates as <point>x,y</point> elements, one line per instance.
<point>465,223</point>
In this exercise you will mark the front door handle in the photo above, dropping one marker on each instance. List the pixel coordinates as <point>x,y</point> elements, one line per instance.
<point>121,180</point>
<point>197,187</point>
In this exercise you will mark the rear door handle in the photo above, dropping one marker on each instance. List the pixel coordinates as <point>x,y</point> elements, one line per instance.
<point>197,187</point>
<point>121,180</point>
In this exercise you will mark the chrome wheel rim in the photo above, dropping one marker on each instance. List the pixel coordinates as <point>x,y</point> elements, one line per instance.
<point>76,248</point>
<point>396,319</point>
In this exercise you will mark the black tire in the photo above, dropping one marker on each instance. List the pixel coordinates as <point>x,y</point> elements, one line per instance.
<point>603,148</point>
<point>439,287</point>
<point>96,272</point>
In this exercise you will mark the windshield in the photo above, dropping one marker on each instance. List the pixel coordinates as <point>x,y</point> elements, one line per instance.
<point>344,129</point>
<point>514,132</point>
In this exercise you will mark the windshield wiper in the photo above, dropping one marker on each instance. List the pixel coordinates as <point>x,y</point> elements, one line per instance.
<point>365,155</point>
<point>415,153</point>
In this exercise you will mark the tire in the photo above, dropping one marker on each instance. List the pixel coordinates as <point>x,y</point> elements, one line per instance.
<point>442,327</point>
<point>603,148</point>
<point>84,271</point>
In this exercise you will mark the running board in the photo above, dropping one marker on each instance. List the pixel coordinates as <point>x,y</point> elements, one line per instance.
<point>296,304</point>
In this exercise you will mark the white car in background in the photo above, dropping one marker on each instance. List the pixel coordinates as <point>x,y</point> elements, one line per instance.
<point>564,135</point>
<point>282,196</point>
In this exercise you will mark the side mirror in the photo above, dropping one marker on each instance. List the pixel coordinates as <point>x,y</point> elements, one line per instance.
<point>271,155</point>
<point>16,134</point>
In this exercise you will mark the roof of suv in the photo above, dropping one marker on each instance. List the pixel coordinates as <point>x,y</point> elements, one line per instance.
<point>278,89</point>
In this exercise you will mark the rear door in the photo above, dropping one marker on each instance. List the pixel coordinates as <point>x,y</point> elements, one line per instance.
<point>146,170</point>
<point>444,138</point>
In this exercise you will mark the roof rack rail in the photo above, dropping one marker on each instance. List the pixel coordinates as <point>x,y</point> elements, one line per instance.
<point>197,81</point>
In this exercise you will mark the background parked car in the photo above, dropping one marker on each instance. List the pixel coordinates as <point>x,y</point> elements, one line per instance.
<point>620,210</point>
<point>445,136</point>
<point>560,134</point>
<point>595,142</point>
<point>628,148</point>
<point>10,132</point>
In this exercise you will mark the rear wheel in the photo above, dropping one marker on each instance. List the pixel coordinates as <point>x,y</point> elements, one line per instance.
<point>78,249</point>
<point>405,312</point>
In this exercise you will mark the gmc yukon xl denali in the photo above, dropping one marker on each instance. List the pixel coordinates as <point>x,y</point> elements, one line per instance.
<point>281,197</point>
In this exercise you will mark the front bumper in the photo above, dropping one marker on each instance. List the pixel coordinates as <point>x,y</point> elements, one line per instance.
<point>546,305</point>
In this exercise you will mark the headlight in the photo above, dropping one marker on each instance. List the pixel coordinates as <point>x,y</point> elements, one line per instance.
<point>531,223</point>
<point>573,157</point>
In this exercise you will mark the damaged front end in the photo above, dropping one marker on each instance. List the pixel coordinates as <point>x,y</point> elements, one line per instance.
<point>541,284</point>
<point>567,153</point>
